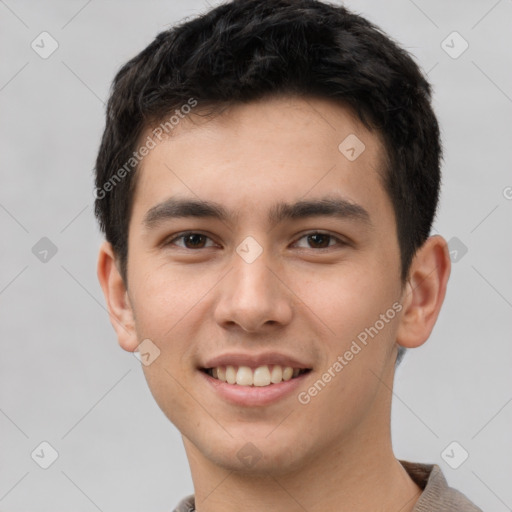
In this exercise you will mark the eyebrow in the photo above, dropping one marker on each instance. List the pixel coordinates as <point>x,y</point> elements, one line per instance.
<point>337,207</point>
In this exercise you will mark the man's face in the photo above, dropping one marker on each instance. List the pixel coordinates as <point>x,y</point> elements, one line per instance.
<point>267,283</point>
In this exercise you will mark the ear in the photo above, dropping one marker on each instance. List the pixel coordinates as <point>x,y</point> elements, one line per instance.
<point>424,292</point>
<point>116,296</point>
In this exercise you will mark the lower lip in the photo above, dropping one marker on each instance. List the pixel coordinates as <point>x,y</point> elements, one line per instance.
<point>254,395</point>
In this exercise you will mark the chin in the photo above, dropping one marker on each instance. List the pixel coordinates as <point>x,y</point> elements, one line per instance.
<point>257,455</point>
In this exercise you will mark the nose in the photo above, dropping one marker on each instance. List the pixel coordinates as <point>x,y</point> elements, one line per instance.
<point>254,297</point>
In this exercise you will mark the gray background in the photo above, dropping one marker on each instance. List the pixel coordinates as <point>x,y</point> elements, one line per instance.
<point>63,378</point>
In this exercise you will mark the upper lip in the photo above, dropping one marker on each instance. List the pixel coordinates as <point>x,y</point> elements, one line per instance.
<point>254,360</point>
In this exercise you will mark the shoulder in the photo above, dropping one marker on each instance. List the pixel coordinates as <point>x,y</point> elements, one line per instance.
<point>437,495</point>
<point>187,504</point>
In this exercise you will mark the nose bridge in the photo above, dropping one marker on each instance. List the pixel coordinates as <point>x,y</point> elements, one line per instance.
<point>252,296</point>
<point>253,278</point>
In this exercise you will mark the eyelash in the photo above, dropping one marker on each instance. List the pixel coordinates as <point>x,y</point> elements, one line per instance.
<point>185,234</point>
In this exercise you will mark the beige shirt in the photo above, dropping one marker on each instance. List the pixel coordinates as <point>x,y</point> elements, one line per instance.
<point>436,495</point>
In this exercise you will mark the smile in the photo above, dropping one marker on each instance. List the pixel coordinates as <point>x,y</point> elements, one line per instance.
<point>261,376</point>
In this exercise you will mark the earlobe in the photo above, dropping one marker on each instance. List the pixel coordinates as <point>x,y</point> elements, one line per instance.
<point>424,293</point>
<point>116,297</point>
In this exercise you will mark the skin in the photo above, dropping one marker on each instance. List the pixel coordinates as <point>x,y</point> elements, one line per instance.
<point>335,452</point>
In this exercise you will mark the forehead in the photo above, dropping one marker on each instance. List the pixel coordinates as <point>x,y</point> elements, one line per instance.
<point>252,154</point>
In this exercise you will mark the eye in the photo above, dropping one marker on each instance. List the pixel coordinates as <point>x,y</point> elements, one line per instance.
<point>194,240</point>
<point>191,240</point>
<point>319,240</point>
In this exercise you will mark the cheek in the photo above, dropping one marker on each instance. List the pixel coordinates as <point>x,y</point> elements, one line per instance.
<point>168,310</point>
<point>163,296</point>
<point>344,299</point>
<point>356,343</point>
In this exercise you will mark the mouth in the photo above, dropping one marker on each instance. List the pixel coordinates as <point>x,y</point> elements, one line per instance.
<point>261,376</point>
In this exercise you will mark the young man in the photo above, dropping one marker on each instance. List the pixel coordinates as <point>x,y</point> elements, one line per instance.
<point>267,181</point>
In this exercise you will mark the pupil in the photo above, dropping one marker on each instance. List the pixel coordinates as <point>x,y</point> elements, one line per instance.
<point>194,240</point>
<point>317,239</point>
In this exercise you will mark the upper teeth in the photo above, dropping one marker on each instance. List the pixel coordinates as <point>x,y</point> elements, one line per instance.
<point>260,376</point>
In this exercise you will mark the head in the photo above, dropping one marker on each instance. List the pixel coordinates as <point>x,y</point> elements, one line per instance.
<point>272,120</point>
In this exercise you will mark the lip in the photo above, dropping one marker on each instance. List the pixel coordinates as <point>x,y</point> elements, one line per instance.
<point>253,396</point>
<point>254,360</point>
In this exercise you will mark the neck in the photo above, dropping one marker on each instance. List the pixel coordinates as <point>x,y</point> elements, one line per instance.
<point>327,484</point>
